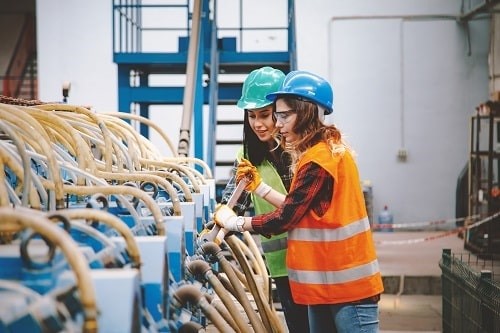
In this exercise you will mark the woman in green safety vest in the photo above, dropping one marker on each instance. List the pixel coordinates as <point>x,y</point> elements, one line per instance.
<point>273,164</point>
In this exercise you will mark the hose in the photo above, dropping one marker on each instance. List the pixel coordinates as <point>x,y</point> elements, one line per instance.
<point>174,178</point>
<point>13,163</point>
<point>123,190</point>
<point>36,136</point>
<point>21,150</point>
<point>268,318</point>
<point>184,170</point>
<point>250,241</point>
<point>82,152</point>
<point>28,218</point>
<point>200,268</point>
<point>92,179</point>
<point>81,110</point>
<point>145,177</point>
<point>112,221</point>
<point>181,159</point>
<point>148,122</point>
<point>214,252</point>
<point>222,311</point>
<point>29,293</point>
<point>189,293</point>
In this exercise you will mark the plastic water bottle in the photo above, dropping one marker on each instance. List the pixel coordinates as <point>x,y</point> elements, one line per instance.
<point>385,219</point>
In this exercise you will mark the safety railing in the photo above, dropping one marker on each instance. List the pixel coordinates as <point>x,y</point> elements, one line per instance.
<point>147,26</point>
<point>471,293</point>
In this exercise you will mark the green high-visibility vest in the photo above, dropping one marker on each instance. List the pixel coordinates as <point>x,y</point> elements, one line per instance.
<point>274,248</point>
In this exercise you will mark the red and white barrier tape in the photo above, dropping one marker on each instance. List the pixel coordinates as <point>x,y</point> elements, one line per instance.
<point>444,234</point>
<point>420,224</point>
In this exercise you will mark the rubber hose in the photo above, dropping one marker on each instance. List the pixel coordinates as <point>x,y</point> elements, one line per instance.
<point>184,170</point>
<point>26,162</point>
<point>223,311</point>
<point>191,327</point>
<point>148,122</point>
<point>106,135</point>
<point>32,129</point>
<point>123,190</point>
<point>112,221</point>
<point>174,178</point>
<point>199,267</point>
<point>29,218</point>
<point>250,241</point>
<point>189,293</point>
<point>151,178</point>
<point>36,192</point>
<point>197,161</point>
<point>215,252</point>
<point>82,152</point>
<point>268,317</point>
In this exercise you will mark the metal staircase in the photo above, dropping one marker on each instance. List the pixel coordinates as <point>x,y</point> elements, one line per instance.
<point>212,59</point>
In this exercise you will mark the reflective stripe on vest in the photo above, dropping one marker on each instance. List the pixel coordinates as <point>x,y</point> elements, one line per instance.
<point>274,245</point>
<point>330,235</point>
<point>329,277</point>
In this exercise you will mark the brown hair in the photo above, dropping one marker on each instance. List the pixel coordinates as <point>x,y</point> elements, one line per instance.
<point>310,129</point>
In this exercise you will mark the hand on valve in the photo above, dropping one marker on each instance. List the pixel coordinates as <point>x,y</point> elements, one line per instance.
<point>226,218</point>
<point>255,184</point>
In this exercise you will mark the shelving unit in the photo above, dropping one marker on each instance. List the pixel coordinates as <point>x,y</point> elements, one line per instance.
<point>484,173</point>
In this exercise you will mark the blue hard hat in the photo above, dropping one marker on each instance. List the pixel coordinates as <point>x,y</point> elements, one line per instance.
<point>308,86</point>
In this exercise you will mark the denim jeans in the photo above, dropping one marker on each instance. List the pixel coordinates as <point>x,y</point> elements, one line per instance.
<point>343,318</point>
<point>295,314</point>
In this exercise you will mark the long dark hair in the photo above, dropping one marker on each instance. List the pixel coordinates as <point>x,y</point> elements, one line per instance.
<point>257,151</point>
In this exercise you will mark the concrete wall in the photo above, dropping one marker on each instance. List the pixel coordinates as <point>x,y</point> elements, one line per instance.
<point>403,74</point>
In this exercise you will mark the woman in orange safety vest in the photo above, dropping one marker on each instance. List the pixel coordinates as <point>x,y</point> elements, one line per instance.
<point>331,259</point>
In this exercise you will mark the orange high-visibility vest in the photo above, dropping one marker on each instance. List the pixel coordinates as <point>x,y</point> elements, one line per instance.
<point>331,259</point>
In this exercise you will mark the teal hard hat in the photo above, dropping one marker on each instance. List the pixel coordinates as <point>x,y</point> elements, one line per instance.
<point>257,85</point>
<point>308,86</point>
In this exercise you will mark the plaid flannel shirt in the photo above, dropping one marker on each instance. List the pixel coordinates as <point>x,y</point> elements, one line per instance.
<point>313,190</point>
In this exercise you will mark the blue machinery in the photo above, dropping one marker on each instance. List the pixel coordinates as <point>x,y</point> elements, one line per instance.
<point>101,233</point>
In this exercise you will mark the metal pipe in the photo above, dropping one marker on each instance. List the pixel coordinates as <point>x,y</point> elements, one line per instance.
<point>189,89</point>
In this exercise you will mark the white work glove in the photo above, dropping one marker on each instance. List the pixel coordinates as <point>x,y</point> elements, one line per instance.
<point>226,218</point>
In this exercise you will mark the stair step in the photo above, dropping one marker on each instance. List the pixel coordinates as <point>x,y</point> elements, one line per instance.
<point>228,142</point>
<point>224,163</point>
<point>230,122</point>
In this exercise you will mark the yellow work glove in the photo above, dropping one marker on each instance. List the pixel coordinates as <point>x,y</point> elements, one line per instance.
<point>246,170</point>
<point>226,218</point>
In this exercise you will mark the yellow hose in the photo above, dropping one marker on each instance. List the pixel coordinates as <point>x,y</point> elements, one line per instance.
<point>112,221</point>
<point>271,322</point>
<point>202,268</point>
<point>250,241</point>
<point>182,169</point>
<point>213,250</point>
<point>148,122</point>
<point>94,117</point>
<point>28,218</point>
<point>183,159</point>
<point>32,129</point>
<point>26,162</point>
<point>175,178</point>
<point>123,190</point>
<point>82,152</point>
<point>145,177</point>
